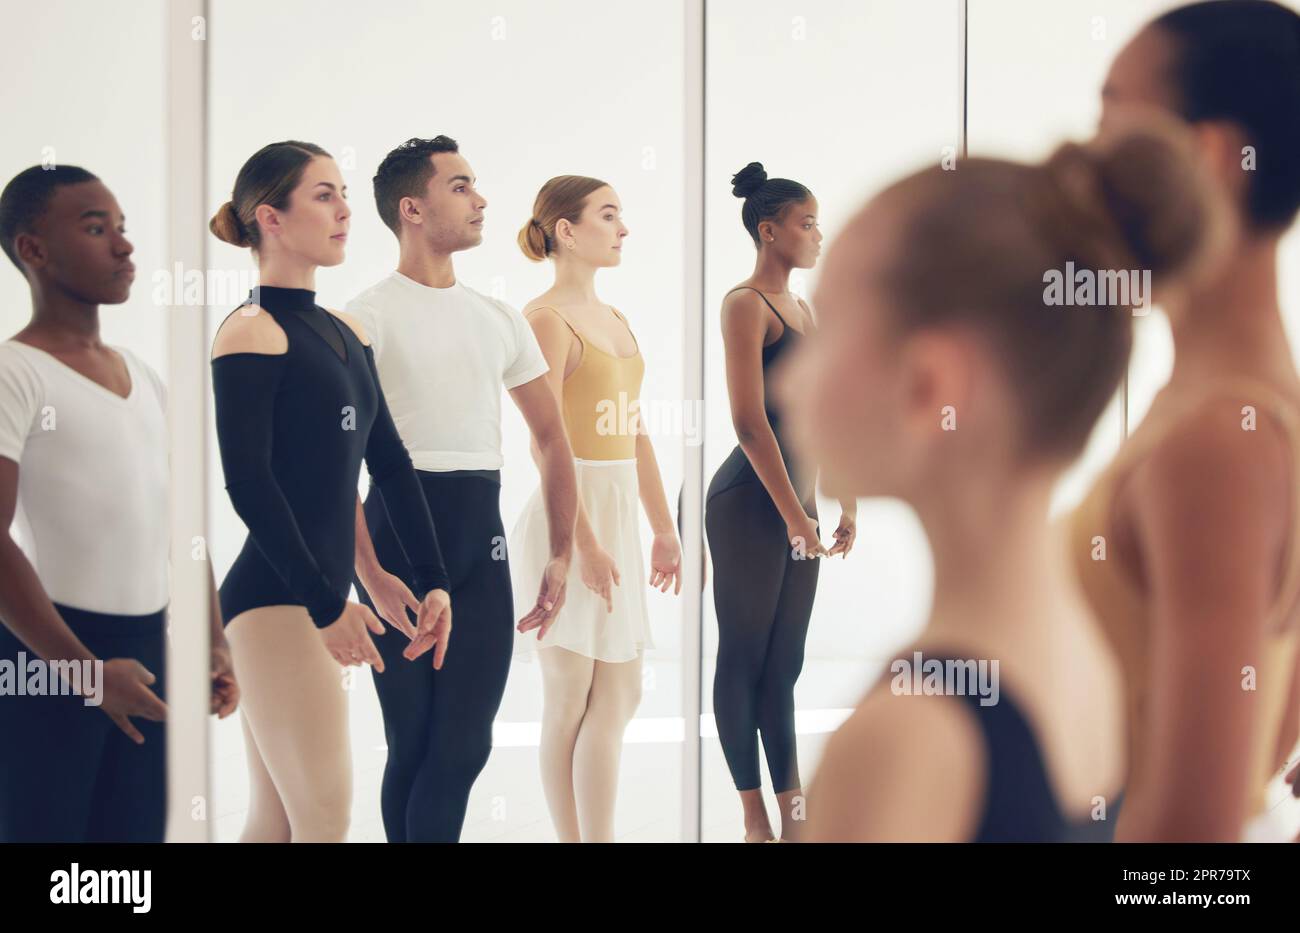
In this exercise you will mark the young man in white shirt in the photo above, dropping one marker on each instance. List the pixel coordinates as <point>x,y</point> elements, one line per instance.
<point>83,483</point>
<point>444,351</point>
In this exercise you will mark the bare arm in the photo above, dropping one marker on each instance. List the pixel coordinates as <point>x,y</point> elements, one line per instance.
<point>554,458</point>
<point>556,341</point>
<point>743,329</point>
<point>24,605</point>
<point>1209,572</point>
<point>901,769</point>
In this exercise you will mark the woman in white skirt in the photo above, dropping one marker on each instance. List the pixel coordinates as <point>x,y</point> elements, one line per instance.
<point>592,650</point>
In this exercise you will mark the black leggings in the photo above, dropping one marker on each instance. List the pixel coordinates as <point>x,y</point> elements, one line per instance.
<point>439,723</point>
<point>67,772</point>
<point>763,597</point>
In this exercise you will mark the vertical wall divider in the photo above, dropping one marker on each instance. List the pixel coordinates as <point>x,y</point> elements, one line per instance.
<point>693,390</point>
<point>189,805</point>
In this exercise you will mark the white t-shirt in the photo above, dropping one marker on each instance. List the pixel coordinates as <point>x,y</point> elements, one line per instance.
<point>92,480</point>
<point>443,355</point>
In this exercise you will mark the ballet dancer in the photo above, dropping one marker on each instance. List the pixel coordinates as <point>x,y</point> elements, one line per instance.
<point>299,407</point>
<point>592,653</point>
<point>444,352</point>
<point>1199,584</point>
<point>944,375</point>
<point>83,471</point>
<point>760,511</point>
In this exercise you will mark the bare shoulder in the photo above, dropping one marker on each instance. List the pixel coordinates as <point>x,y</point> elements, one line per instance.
<point>545,319</point>
<point>744,313</point>
<point>352,322</point>
<point>249,329</point>
<point>1225,447</point>
<point>900,768</point>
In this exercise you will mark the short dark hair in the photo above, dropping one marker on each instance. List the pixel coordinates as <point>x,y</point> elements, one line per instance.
<point>27,197</point>
<point>405,173</point>
<point>1239,60</point>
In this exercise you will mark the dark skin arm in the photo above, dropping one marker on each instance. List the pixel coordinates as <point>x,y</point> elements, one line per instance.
<point>26,609</point>
<point>745,323</point>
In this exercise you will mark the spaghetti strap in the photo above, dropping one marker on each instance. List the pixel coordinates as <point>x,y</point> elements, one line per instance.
<point>765,301</point>
<point>619,314</point>
<point>561,316</point>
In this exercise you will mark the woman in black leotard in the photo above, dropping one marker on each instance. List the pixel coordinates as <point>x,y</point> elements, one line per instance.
<point>299,407</point>
<point>761,511</point>
<point>946,375</point>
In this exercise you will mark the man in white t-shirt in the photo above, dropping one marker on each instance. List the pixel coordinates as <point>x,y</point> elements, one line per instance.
<point>444,351</point>
<point>83,557</point>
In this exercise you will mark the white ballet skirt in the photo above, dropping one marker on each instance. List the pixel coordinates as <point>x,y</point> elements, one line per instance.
<point>609,493</point>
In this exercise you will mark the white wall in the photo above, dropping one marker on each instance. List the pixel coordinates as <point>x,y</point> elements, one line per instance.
<point>84,85</point>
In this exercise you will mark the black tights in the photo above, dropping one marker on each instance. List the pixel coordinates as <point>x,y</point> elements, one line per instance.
<point>439,723</point>
<point>67,772</point>
<point>764,598</point>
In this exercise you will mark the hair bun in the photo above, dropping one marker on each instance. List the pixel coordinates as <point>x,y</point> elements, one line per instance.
<point>1138,197</point>
<point>226,225</point>
<point>748,180</point>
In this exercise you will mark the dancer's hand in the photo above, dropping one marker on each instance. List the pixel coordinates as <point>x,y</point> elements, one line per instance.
<point>433,628</point>
<point>802,535</point>
<point>126,693</point>
<point>666,563</point>
<point>224,698</point>
<point>391,597</point>
<point>844,535</point>
<point>550,598</point>
<point>348,640</point>
<point>599,573</point>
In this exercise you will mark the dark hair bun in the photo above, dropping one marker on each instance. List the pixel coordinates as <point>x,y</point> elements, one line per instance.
<point>748,180</point>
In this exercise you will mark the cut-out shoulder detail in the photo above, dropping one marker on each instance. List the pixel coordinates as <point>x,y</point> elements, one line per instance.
<point>250,329</point>
<point>353,323</point>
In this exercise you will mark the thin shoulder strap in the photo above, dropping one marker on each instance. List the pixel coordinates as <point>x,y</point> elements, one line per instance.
<point>562,317</point>
<point>619,314</point>
<point>765,301</point>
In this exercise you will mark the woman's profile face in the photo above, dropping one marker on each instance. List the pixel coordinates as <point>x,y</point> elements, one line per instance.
<point>796,235</point>
<point>315,225</point>
<point>598,234</point>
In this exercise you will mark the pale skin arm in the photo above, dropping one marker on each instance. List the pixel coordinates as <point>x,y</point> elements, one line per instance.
<point>1210,572</point>
<point>551,452</point>
<point>743,329</point>
<point>665,550</point>
<point>28,612</point>
<point>900,769</point>
<point>599,573</point>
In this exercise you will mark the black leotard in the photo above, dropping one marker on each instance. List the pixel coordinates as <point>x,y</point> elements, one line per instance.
<point>736,468</point>
<point>293,429</point>
<point>1019,804</point>
<point>763,598</point>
